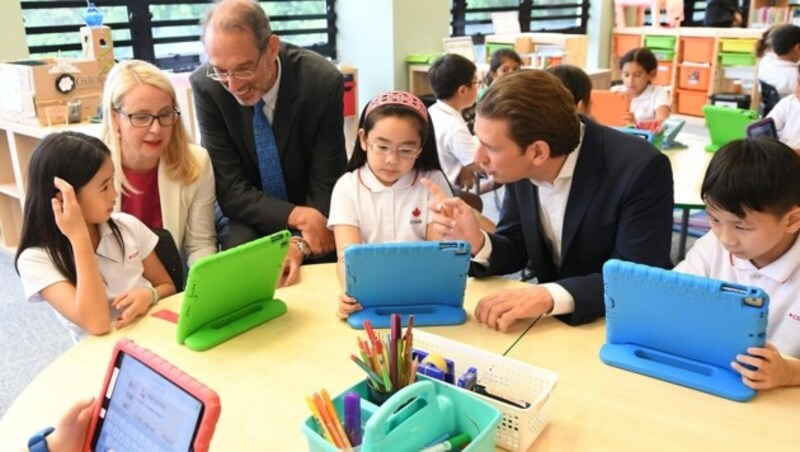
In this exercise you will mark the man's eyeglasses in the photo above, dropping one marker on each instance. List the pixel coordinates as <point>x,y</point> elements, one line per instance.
<point>404,152</point>
<point>224,76</point>
<point>142,119</point>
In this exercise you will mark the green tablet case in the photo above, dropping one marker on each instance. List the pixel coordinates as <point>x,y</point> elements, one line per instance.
<point>230,292</point>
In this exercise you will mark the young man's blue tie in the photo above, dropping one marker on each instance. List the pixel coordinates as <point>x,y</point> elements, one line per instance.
<point>269,162</point>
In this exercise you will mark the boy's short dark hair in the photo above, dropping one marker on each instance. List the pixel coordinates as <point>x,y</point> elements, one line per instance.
<point>450,72</point>
<point>755,174</point>
<point>576,80</point>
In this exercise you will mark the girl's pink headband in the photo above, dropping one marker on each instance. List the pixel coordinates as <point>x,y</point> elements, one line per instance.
<point>399,98</point>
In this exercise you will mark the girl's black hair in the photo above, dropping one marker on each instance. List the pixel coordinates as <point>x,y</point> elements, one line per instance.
<point>781,39</point>
<point>576,80</point>
<point>642,56</point>
<point>755,174</point>
<point>428,159</point>
<point>75,158</point>
<point>498,57</point>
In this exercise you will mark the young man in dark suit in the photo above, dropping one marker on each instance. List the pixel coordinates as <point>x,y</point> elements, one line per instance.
<point>577,194</point>
<point>298,96</point>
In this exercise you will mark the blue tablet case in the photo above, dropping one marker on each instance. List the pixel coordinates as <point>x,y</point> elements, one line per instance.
<point>427,279</point>
<point>681,328</point>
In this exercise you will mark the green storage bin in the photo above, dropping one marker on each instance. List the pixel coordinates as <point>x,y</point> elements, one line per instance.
<point>491,47</point>
<point>737,59</point>
<point>413,417</point>
<point>664,54</point>
<point>738,45</point>
<point>659,42</point>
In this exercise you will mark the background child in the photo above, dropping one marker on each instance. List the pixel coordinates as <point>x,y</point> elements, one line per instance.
<point>786,114</point>
<point>752,194</point>
<point>92,266</point>
<point>779,70</point>
<point>454,81</point>
<point>504,61</point>
<point>578,83</point>
<point>648,102</point>
<point>381,198</point>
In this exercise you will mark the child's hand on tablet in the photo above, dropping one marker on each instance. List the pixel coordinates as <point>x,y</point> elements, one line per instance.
<point>768,368</point>
<point>347,306</point>
<point>70,432</point>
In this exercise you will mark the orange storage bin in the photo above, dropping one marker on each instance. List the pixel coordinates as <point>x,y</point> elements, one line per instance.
<point>623,43</point>
<point>663,73</point>
<point>697,50</point>
<point>690,102</point>
<point>694,77</point>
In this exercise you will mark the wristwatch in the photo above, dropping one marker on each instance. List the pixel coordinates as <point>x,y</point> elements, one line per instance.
<point>38,442</point>
<point>302,246</point>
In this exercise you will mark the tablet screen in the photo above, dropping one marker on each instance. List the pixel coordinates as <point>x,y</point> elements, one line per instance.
<point>143,410</point>
<point>764,128</point>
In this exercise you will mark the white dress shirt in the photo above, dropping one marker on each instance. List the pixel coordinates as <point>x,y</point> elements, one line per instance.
<point>270,98</point>
<point>455,144</point>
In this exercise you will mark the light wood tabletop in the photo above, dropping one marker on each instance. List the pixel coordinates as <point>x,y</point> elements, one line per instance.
<point>598,407</point>
<point>261,376</point>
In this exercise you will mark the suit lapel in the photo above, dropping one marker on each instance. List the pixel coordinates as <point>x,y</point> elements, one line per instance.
<point>585,180</point>
<point>538,251</point>
<point>286,108</point>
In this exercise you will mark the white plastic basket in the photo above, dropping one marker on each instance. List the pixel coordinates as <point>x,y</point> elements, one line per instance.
<point>520,426</point>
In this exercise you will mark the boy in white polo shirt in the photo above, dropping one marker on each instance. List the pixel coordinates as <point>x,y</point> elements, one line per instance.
<point>455,82</point>
<point>752,193</point>
<point>786,114</point>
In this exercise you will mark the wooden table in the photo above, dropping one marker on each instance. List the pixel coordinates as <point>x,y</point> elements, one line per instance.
<point>262,376</point>
<point>597,407</point>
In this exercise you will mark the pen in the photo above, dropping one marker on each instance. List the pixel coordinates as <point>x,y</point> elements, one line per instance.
<point>352,417</point>
<point>371,373</point>
<point>326,418</point>
<point>322,427</point>
<point>453,443</point>
<point>335,418</point>
<point>395,337</point>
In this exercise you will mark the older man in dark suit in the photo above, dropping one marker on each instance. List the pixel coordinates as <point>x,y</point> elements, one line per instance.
<point>271,117</point>
<point>577,194</point>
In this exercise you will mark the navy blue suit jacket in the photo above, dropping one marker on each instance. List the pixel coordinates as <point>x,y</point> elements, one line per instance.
<point>620,206</point>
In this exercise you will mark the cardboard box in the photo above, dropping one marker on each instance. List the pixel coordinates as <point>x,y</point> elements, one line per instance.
<point>42,91</point>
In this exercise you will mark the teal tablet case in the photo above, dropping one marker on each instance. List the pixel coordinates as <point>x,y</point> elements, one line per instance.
<point>726,124</point>
<point>230,292</point>
<point>681,328</point>
<point>426,279</point>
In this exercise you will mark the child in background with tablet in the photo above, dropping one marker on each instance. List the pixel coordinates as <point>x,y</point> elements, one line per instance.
<point>648,102</point>
<point>380,198</point>
<point>578,83</point>
<point>95,268</point>
<point>786,114</point>
<point>752,194</point>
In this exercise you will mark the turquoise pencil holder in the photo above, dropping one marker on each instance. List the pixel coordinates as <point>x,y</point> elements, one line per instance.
<point>414,417</point>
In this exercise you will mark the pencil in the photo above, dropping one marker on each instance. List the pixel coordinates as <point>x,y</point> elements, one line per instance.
<point>377,379</point>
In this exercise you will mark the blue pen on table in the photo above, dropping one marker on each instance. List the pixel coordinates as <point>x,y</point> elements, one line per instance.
<point>352,417</point>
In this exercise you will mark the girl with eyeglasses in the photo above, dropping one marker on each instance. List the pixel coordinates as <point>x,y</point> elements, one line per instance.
<point>166,181</point>
<point>96,268</point>
<point>380,198</point>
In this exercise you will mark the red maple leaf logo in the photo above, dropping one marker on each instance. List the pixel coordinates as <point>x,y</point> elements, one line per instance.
<point>416,212</point>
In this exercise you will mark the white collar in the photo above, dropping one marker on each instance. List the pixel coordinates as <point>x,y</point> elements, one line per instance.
<point>369,180</point>
<point>780,270</point>
<point>568,168</point>
<point>447,108</point>
<point>270,98</point>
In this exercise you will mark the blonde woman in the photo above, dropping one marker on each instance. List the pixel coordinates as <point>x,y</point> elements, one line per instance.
<point>166,180</point>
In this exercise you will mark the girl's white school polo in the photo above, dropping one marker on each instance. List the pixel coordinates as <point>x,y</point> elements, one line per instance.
<point>779,73</point>
<point>120,272</point>
<point>780,279</point>
<point>786,114</point>
<point>644,105</point>
<point>384,214</point>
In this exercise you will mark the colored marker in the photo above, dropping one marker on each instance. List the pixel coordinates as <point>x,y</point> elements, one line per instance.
<point>375,378</point>
<point>456,442</point>
<point>352,417</point>
<point>320,422</point>
<point>326,418</point>
<point>326,398</point>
